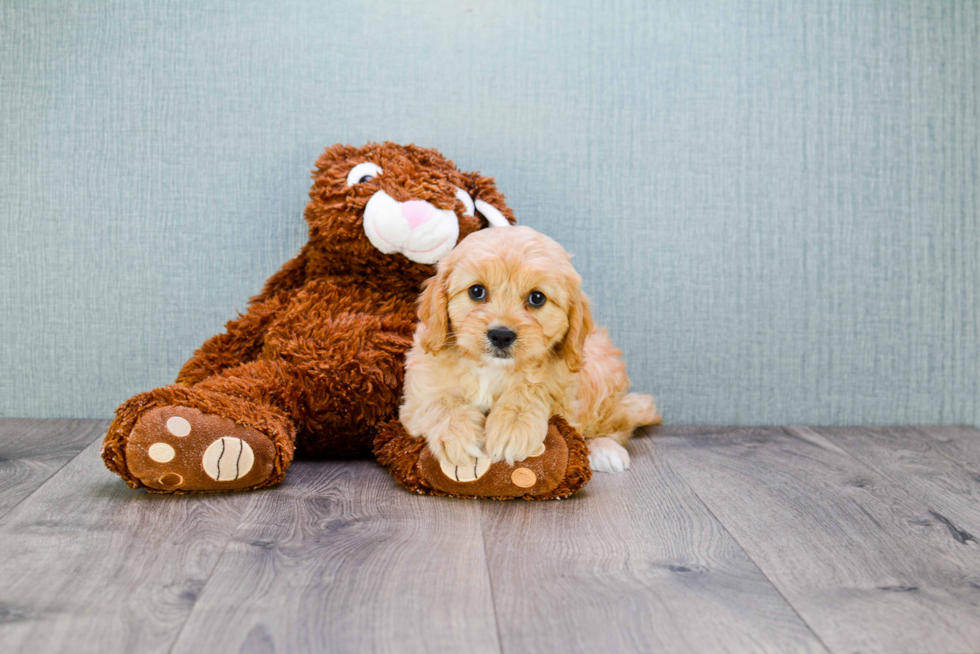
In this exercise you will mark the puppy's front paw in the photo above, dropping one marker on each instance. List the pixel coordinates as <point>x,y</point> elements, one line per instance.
<point>606,455</point>
<point>514,440</point>
<point>457,445</point>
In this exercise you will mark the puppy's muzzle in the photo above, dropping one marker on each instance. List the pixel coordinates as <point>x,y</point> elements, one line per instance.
<point>501,338</point>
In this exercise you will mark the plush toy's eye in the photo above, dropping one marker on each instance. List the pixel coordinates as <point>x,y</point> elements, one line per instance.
<point>363,172</point>
<point>478,293</point>
<point>536,299</point>
<point>467,201</point>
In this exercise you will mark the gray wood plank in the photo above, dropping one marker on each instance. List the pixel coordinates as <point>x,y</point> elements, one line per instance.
<point>33,450</point>
<point>633,563</point>
<point>341,559</point>
<point>859,557</point>
<point>928,463</point>
<point>89,565</point>
<point>959,443</point>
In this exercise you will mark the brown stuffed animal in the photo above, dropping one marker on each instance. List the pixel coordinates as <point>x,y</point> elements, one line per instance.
<point>315,365</point>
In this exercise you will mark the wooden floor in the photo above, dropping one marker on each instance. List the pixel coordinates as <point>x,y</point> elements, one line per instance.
<point>717,540</point>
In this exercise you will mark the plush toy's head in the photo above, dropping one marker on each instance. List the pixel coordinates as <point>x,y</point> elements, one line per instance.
<point>387,205</point>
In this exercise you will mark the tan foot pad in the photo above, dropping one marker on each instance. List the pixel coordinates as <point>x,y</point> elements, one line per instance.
<point>557,470</point>
<point>177,448</point>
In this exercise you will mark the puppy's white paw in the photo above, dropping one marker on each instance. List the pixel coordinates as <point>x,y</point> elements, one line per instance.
<point>606,455</point>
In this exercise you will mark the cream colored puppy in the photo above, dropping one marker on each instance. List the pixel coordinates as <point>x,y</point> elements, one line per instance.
<point>505,340</point>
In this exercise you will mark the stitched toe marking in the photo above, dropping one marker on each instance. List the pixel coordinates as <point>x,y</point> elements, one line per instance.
<point>524,478</point>
<point>228,459</point>
<point>171,480</point>
<point>178,426</point>
<point>161,453</point>
<point>466,473</point>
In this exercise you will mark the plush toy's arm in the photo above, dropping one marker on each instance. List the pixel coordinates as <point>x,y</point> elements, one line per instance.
<point>244,336</point>
<point>293,274</point>
<point>241,343</point>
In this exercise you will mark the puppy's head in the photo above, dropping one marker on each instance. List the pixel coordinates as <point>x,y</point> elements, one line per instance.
<point>506,296</point>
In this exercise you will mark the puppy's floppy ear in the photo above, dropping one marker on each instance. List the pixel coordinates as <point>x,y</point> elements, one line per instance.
<point>580,325</point>
<point>490,203</point>
<point>434,311</point>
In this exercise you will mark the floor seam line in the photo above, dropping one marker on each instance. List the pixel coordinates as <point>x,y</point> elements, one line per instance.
<point>847,451</point>
<point>890,478</point>
<point>486,563</point>
<point>217,562</point>
<point>749,556</point>
<point>924,432</point>
<point>867,464</point>
<point>50,477</point>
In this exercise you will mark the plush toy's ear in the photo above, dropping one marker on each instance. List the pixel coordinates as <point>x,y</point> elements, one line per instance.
<point>580,325</point>
<point>434,311</point>
<point>492,214</point>
<point>490,203</point>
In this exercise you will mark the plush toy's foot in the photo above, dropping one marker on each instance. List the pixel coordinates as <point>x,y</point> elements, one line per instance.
<point>558,470</point>
<point>175,448</point>
<point>182,440</point>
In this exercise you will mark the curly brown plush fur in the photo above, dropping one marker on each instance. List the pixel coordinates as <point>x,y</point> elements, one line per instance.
<point>316,363</point>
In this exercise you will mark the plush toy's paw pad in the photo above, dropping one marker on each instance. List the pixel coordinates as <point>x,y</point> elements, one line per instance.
<point>176,448</point>
<point>228,459</point>
<point>606,455</point>
<point>466,473</point>
<point>536,475</point>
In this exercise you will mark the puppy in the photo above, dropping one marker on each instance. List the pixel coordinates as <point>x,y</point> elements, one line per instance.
<point>505,340</point>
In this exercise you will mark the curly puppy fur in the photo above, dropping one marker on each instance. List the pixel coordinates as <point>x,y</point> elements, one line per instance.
<point>488,367</point>
<point>316,363</point>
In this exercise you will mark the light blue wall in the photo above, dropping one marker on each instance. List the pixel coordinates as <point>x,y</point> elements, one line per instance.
<point>774,205</point>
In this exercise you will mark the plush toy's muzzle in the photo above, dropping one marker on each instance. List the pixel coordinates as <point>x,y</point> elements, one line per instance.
<point>415,228</point>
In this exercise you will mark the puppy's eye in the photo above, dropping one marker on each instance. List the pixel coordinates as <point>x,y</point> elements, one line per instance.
<point>536,299</point>
<point>363,172</point>
<point>478,293</point>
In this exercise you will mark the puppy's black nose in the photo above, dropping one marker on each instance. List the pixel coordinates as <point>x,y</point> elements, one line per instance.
<point>501,337</point>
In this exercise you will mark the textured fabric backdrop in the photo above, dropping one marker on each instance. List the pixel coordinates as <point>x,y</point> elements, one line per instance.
<point>774,205</point>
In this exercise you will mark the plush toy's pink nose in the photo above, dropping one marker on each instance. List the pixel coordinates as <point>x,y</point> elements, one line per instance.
<point>417,212</point>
